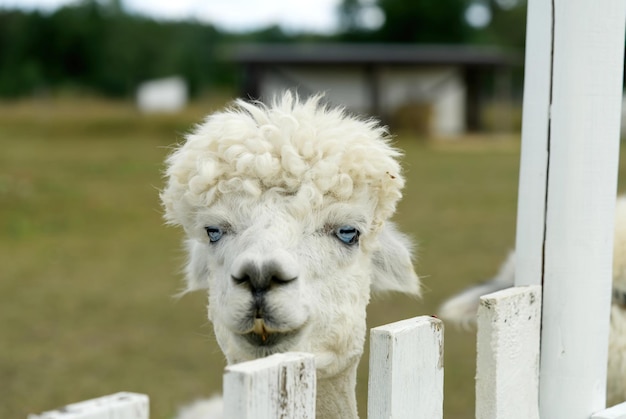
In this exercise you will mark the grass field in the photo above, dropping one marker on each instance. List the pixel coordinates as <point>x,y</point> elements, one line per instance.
<point>88,270</point>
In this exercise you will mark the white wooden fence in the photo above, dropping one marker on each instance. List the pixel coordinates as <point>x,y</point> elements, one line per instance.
<point>542,347</point>
<point>406,373</point>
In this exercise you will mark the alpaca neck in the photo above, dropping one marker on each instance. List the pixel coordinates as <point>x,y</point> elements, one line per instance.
<point>336,396</point>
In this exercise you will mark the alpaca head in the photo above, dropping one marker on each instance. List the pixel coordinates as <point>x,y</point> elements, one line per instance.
<point>286,213</point>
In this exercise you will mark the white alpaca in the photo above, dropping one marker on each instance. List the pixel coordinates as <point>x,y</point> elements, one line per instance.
<point>286,214</point>
<point>461,309</point>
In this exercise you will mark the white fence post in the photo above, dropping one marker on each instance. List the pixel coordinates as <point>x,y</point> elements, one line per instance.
<point>531,204</point>
<point>279,386</point>
<point>584,73</point>
<point>116,406</point>
<point>406,370</point>
<point>507,367</point>
<point>582,185</point>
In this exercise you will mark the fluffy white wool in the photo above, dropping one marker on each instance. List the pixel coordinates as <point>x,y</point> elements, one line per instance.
<point>619,246</point>
<point>296,148</point>
<point>616,372</point>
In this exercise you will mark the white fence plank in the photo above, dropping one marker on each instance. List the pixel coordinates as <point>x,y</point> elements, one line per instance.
<point>115,406</point>
<point>531,205</point>
<point>406,370</point>
<point>279,386</point>
<point>507,374</point>
<point>615,412</point>
<point>588,53</point>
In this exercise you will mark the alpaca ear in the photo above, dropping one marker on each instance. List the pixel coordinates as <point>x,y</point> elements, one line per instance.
<point>196,271</point>
<point>392,265</point>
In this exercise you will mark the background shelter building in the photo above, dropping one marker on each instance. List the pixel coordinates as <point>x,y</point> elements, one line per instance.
<point>434,89</point>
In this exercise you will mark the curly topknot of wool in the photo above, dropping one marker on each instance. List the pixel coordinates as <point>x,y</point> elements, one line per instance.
<point>292,147</point>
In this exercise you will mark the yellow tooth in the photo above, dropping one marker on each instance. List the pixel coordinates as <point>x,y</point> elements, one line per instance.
<point>259,327</point>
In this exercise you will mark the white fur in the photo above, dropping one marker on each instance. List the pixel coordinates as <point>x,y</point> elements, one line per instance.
<point>279,181</point>
<point>461,309</point>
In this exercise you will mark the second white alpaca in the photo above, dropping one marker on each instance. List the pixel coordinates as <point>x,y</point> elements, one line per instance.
<point>461,309</point>
<point>286,211</point>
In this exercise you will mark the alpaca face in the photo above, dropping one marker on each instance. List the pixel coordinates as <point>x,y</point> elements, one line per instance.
<point>283,276</point>
<point>286,212</point>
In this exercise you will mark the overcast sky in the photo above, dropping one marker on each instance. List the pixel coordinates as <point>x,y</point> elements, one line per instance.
<point>234,15</point>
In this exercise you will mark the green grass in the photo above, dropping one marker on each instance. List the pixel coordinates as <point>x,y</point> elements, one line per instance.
<point>88,270</point>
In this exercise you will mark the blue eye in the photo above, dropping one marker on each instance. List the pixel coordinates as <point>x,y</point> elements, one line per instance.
<point>347,234</point>
<point>214,233</point>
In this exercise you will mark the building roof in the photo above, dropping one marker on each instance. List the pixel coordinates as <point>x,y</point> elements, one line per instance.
<point>370,54</point>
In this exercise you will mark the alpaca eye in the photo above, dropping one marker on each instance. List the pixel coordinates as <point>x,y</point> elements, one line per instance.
<point>214,233</point>
<point>347,234</point>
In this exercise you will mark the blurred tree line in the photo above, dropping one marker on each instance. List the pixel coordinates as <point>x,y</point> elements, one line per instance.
<point>436,22</point>
<point>95,46</point>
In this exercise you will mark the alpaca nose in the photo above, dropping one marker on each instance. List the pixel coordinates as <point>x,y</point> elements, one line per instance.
<point>260,276</point>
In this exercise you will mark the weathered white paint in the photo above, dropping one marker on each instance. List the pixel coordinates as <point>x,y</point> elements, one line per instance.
<point>534,154</point>
<point>162,95</point>
<point>615,412</point>
<point>507,368</point>
<point>116,406</point>
<point>583,144</point>
<point>279,386</point>
<point>406,370</point>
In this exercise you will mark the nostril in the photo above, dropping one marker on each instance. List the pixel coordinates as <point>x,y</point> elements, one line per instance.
<point>278,273</point>
<point>240,280</point>
<point>279,280</point>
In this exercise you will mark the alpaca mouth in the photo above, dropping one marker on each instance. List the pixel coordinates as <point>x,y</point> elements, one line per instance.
<point>261,336</point>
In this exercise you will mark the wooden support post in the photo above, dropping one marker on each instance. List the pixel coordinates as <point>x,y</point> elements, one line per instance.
<point>406,370</point>
<point>531,203</point>
<point>572,101</point>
